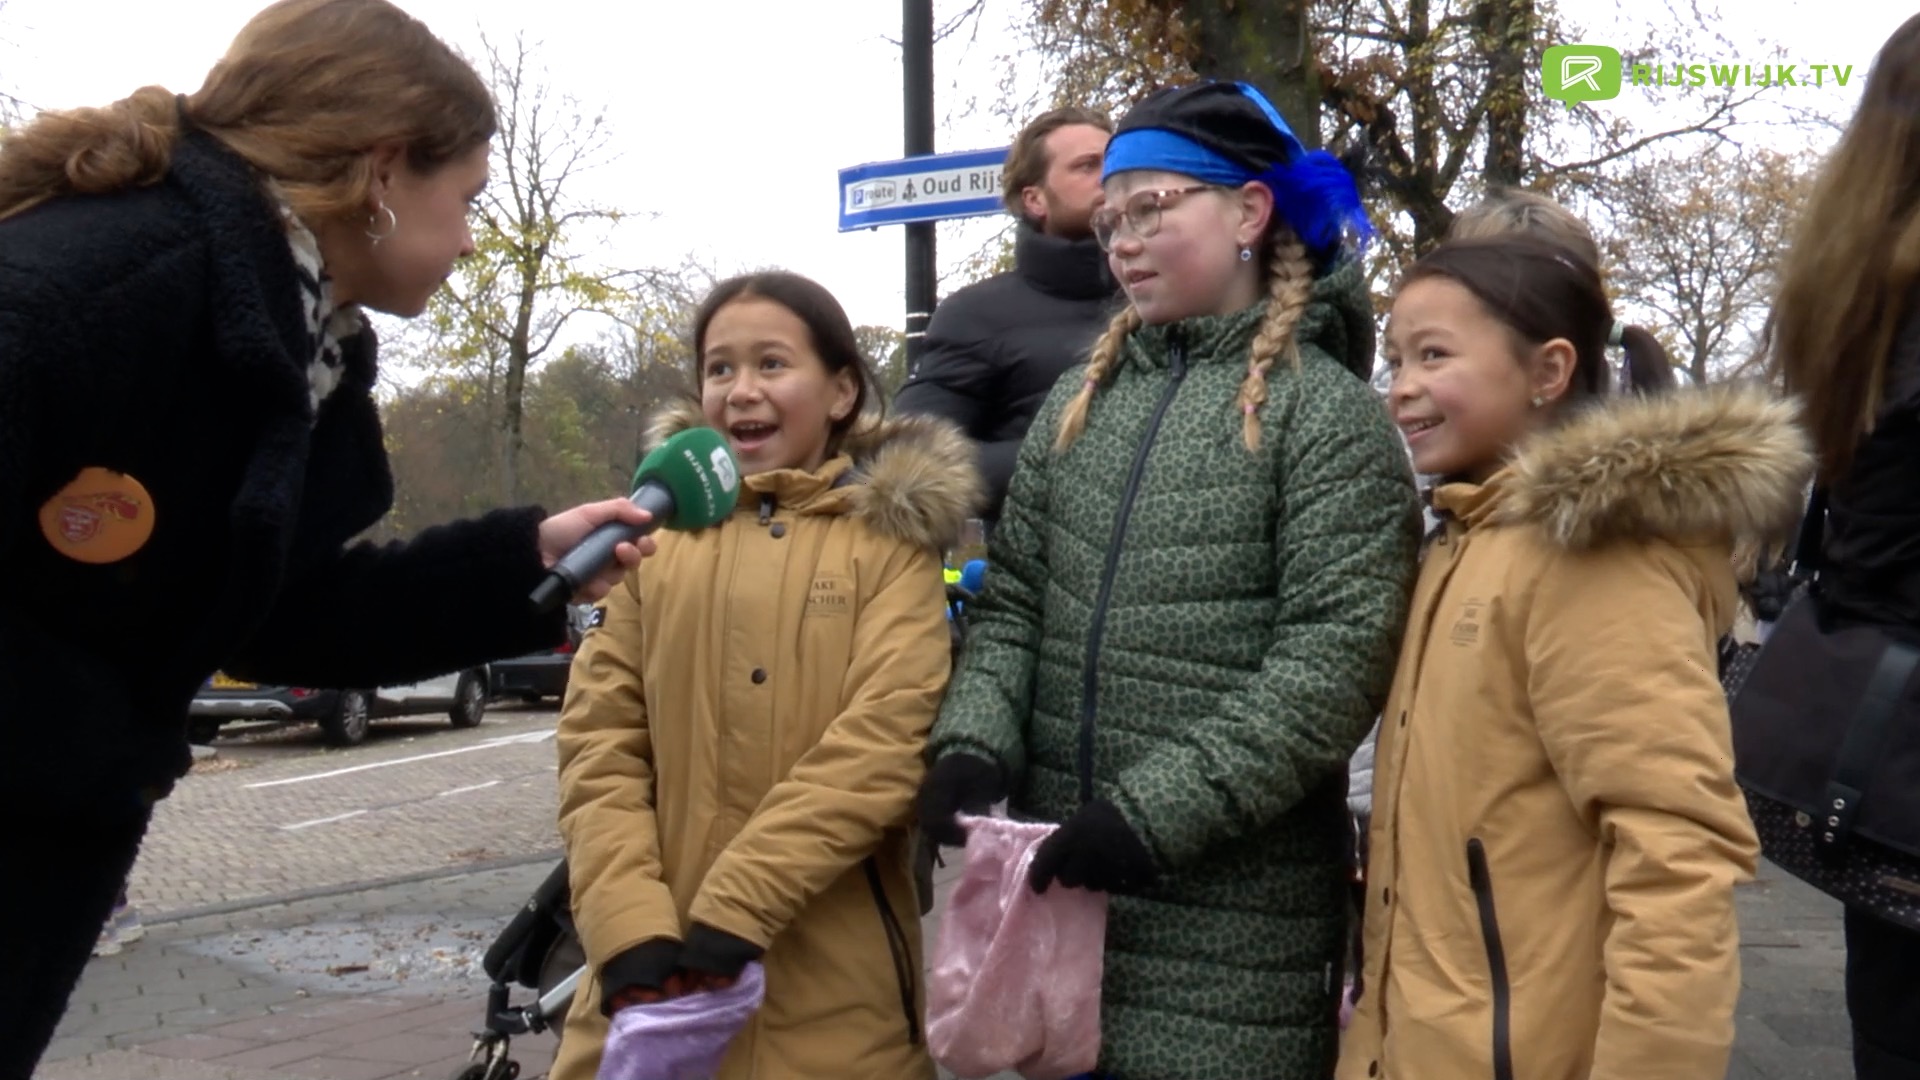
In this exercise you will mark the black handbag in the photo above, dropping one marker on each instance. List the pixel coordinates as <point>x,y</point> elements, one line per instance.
<point>1826,737</point>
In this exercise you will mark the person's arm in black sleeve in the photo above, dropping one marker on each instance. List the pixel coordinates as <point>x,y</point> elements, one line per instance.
<point>387,614</point>
<point>958,378</point>
<point>997,459</point>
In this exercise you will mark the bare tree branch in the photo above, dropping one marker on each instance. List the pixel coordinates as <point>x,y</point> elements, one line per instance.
<point>515,301</point>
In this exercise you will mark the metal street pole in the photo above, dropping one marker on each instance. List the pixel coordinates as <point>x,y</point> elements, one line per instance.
<point>917,42</point>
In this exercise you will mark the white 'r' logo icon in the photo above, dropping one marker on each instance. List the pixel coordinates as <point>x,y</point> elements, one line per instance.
<point>723,468</point>
<point>1580,69</point>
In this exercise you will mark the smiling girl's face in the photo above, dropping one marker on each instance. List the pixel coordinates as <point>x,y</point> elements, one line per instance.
<point>764,386</point>
<point>1463,386</point>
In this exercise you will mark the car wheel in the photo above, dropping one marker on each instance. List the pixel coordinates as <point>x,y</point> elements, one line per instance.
<point>202,730</point>
<point>469,701</point>
<point>347,724</point>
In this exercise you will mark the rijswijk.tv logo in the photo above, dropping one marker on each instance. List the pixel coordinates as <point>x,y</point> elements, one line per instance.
<point>1573,73</point>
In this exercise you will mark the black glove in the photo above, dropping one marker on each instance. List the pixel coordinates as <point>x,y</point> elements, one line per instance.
<point>1095,849</point>
<point>959,783</point>
<point>646,967</point>
<point>716,952</point>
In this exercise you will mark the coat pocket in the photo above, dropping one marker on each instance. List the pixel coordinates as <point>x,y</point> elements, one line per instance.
<point>1482,881</point>
<point>898,946</point>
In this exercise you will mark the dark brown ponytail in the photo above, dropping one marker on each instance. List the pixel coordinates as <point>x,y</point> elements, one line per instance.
<point>1648,368</point>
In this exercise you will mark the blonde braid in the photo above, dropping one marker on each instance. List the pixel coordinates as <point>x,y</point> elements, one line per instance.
<point>1289,283</point>
<point>1073,418</point>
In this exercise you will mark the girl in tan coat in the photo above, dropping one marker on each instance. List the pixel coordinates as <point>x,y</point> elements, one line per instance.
<point>1556,830</point>
<point>743,732</point>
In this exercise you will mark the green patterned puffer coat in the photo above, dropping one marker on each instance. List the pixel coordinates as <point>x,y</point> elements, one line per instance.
<point>1215,628</point>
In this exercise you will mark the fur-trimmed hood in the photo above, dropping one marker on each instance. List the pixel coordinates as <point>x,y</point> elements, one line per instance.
<point>1726,461</point>
<point>910,478</point>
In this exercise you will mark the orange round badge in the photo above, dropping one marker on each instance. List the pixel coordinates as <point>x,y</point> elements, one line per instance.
<point>101,517</point>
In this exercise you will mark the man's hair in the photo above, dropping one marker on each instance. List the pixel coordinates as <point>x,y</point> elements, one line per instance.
<point>1028,161</point>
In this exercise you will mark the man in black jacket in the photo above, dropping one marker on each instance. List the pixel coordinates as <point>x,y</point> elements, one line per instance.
<point>996,347</point>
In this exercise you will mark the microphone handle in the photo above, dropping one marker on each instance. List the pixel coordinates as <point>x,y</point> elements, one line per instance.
<point>592,554</point>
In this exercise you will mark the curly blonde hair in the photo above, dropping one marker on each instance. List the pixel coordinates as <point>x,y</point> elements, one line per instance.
<point>1289,285</point>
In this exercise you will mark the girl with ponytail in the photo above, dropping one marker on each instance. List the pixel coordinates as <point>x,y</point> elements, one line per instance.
<point>1555,810</point>
<point>1197,588</point>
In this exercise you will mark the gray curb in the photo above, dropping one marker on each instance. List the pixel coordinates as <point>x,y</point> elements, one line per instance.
<point>228,908</point>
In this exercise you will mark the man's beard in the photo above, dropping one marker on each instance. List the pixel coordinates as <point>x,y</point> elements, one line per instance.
<point>1064,222</point>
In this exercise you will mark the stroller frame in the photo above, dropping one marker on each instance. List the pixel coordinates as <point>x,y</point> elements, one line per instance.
<point>524,954</point>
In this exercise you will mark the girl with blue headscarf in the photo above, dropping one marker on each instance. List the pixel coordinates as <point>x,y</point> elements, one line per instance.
<point>1196,594</point>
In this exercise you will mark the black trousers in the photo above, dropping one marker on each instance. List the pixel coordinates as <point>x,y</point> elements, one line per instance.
<point>1883,998</point>
<point>67,865</point>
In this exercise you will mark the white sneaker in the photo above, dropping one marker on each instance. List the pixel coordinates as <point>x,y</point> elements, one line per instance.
<point>123,928</point>
<point>126,925</point>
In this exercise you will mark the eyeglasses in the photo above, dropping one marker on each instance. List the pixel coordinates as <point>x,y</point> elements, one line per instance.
<point>1141,213</point>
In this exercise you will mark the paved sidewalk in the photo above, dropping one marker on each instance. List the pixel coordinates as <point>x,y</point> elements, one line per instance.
<point>378,983</point>
<point>384,983</point>
<point>1792,1019</point>
<point>417,797</point>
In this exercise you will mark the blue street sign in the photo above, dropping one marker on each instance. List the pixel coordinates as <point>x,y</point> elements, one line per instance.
<point>932,188</point>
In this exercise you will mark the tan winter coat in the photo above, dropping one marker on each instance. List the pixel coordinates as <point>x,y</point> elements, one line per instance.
<point>1556,832</point>
<point>742,739</point>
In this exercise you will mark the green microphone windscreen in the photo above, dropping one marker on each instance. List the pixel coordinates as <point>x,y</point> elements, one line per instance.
<point>698,468</point>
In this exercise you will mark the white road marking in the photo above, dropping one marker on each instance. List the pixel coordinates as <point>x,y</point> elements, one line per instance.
<point>504,740</point>
<point>323,821</point>
<point>469,787</point>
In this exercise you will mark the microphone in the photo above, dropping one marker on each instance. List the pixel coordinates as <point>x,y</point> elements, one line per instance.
<point>688,482</point>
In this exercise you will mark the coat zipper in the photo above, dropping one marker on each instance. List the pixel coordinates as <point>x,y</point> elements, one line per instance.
<point>1482,880</point>
<point>898,947</point>
<point>1177,361</point>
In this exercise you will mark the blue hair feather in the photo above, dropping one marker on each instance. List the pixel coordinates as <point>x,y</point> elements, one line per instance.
<point>1316,195</point>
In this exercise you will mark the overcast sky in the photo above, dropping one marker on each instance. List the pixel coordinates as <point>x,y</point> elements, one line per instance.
<point>732,119</point>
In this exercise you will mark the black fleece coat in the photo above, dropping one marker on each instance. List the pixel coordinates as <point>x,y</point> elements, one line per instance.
<point>995,348</point>
<point>159,332</point>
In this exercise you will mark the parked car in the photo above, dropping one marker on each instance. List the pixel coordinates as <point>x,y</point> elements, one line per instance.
<point>543,674</point>
<point>343,715</point>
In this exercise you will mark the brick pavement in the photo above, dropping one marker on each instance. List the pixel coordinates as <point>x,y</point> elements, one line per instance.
<point>247,995</point>
<point>1793,1014</point>
<point>221,840</point>
<point>379,983</point>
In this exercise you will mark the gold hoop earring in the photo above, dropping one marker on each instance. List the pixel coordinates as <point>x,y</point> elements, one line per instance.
<point>373,223</point>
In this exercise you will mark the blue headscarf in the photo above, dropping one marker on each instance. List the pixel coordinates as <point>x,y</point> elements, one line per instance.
<point>1207,131</point>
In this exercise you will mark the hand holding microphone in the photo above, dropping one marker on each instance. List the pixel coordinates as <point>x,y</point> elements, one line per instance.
<point>561,532</point>
<point>688,482</point>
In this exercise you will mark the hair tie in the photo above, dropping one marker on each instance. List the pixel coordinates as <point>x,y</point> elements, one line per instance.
<point>1248,409</point>
<point>1618,334</point>
<point>1090,384</point>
